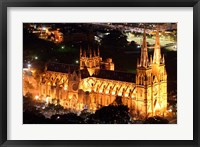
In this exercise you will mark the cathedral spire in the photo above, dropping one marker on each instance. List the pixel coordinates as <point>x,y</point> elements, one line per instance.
<point>144,52</point>
<point>151,60</point>
<point>69,69</point>
<point>98,52</point>
<point>84,53</point>
<point>138,63</point>
<point>157,55</point>
<point>79,74</point>
<point>144,43</point>
<point>90,52</point>
<point>81,51</point>
<point>163,60</point>
<point>94,53</point>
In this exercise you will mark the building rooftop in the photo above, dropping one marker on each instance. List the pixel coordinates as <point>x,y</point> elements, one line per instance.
<point>60,67</point>
<point>115,75</point>
<point>104,74</point>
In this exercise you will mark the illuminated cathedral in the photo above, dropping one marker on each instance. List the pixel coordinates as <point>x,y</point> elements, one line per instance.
<point>95,83</point>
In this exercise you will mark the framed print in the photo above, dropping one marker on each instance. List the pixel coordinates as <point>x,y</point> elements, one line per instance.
<point>110,73</point>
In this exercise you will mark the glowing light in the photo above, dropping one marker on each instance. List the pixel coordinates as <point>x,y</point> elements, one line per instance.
<point>113,93</point>
<point>94,109</point>
<point>76,61</point>
<point>33,71</point>
<point>36,57</point>
<point>29,65</point>
<point>70,97</point>
<point>47,99</point>
<point>36,97</point>
<point>63,47</point>
<point>119,94</point>
<point>126,95</point>
<point>170,110</point>
<point>100,91</point>
<point>65,88</point>
<point>81,106</point>
<point>25,69</point>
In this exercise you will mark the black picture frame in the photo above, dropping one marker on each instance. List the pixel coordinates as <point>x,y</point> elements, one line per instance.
<point>4,4</point>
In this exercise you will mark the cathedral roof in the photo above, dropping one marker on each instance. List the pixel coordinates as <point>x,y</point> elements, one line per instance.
<point>116,75</point>
<point>59,67</point>
<point>104,74</point>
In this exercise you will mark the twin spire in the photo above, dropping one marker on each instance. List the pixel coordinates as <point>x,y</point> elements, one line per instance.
<point>144,59</point>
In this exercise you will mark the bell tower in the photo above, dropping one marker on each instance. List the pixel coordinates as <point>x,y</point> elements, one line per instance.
<point>143,81</point>
<point>159,80</point>
<point>91,62</point>
<point>151,81</point>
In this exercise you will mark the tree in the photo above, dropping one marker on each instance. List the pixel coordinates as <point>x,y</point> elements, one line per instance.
<point>33,117</point>
<point>70,118</point>
<point>115,39</point>
<point>133,44</point>
<point>110,115</point>
<point>156,120</point>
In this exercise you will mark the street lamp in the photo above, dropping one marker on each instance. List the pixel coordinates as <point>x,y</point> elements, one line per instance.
<point>36,97</point>
<point>29,66</point>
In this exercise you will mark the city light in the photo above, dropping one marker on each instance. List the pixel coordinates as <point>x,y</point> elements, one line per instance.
<point>119,94</point>
<point>126,95</point>
<point>29,65</point>
<point>44,28</point>
<point>36,97</point>
<point>47,99</point>
<point>170,110</point>
<point>113,93</point>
